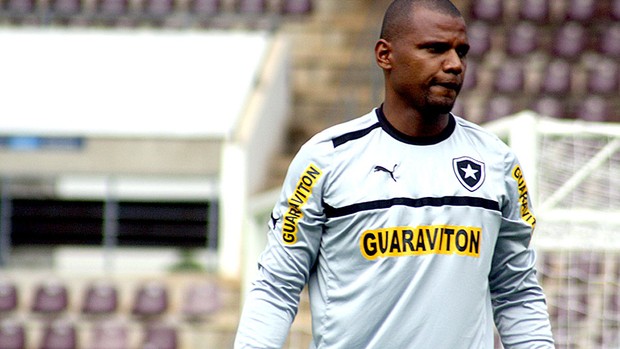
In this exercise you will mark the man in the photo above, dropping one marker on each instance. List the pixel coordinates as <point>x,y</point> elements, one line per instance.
<point>410,226</point>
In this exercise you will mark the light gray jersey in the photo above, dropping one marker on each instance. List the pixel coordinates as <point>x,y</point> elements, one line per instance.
<point>403,242</point>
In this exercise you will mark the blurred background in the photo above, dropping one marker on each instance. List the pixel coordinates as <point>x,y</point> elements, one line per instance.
<point>143,144</point>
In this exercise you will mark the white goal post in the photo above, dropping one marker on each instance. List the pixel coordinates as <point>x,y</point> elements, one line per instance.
<point>573,172</point>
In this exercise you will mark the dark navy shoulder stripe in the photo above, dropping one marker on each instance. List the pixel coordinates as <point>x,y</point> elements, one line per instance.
<point>342,139</point>
<point>469,201</point>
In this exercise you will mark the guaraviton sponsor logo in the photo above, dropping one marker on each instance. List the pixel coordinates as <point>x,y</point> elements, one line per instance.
<point>422,240</point>
<point>524,197</point>
<point>296,202</point>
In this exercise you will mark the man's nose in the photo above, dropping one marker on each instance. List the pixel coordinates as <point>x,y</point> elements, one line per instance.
<point>453,63</point>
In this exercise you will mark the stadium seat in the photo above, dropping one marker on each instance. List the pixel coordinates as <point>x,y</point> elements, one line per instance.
<point>550,106</point>
<point>64,9</point>
<point>535,11</point>
<point>206,7</point>
<point>594,108</point>
<point>615,10</point>
<point>200,300</point>
<point>111,9</point>
<point>100,299</point>
<point>12,334</point>
<point>59,334</point>
<point>509,78</point>
<point>160,336</point>
<point>581,10</point>
<point>8,297</point>
<point>487,10</point>
<point>522,39</point>
<point>158,9</point>
<point>151,300</point>
<point>603,78</point>
<point>296,7</point>
<point>557,78</point>
<point>570,40</point>
<point>499,106</point>
<point>51,298</point>
<point>609,43</point>
<point>471,75</point>
<point>479,39</point>
<point>109,334</point>
<point>20,7</point>
<point>251,6</point>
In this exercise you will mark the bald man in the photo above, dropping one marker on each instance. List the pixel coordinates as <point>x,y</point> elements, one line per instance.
<point>410,226</point>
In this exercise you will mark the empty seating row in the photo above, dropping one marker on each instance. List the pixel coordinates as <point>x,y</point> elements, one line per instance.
<point>546,11</point>
<point>150,299</point>
<point>568,40</point>
<point>65,334</point>
<point>112,9</point>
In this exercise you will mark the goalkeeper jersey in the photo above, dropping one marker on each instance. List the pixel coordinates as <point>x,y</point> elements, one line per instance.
<point>403,242</point>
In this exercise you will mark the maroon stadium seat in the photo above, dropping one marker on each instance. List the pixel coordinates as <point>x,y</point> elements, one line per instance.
<point>581,10</point>
<point>206,7</point>
<point>100,299</point>
<point>609,43</point>
<point>111,9</point>
<point>509,78</point>
<point>109,334</point>
<point>499,106</point>
<point>8,297</point>
<point>557,78</point>
<point>570,40</point>
<point>51,297</point>
<point>12,334</point>
<point>60,334</point>
<point>158,9</point>
<point>200,300</point>
<point>602,78</point>
<point>296,7</point>
<point>522,39</point>
<point>20,7</point>
<point>66,8</point>
<point>487,10</point>
<point>251,6</point>
<point>479,39</point>
<point>151,299</point>
<point>535,10</point>
<point>594,108</point>
<point>550,106</point>
<point>471,75</point>
<point>615,9</point>
<point>160,336</point>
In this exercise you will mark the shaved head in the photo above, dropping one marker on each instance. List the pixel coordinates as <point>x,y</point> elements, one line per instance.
<point>399,13</point>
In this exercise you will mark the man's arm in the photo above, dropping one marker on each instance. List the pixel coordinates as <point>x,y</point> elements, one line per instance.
<point>518,300</point>
<point>284,266</point>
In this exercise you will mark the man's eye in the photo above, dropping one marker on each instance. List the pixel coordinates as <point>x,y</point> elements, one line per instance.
<point>462,52</point>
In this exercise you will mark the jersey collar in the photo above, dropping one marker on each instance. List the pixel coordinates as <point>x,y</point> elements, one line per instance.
<point>387,127</point>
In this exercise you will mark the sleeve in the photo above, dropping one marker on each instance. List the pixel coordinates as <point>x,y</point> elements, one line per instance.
<point>519,303</point>
<point>292,247</point>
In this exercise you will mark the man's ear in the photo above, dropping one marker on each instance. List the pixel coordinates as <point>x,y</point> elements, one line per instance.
<point>383,54</point>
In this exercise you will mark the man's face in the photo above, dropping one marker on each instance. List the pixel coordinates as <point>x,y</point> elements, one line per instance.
<point>427,64</point>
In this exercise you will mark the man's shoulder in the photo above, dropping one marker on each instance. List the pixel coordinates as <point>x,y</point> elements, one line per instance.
<point>338,133</point>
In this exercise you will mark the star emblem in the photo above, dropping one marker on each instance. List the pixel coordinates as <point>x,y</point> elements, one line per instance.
<point>470,172</point>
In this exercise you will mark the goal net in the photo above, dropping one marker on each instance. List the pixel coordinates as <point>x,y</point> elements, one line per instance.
<point>574,170</point>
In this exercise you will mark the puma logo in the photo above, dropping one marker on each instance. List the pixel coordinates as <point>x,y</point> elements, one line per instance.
<point>383,169</point>
<point>274,220</point>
